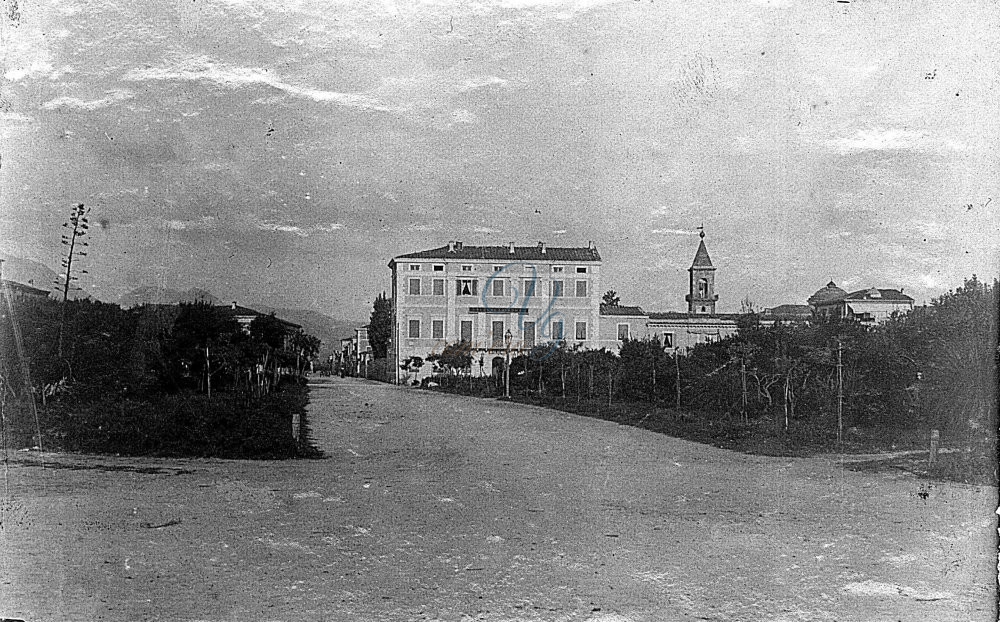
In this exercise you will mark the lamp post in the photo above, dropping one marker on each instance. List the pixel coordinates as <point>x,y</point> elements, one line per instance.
<point>506,368</point>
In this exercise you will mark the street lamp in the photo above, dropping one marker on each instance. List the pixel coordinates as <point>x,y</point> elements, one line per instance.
<point>506,368</point>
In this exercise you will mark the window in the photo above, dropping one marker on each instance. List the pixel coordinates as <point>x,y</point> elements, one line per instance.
<point>414,329</point>
<point>438,287</point>
<point>557,289</point>
<point>466,268</point>
<point>581,269</point>
<point>622,332</point>
<point>529,288</point>
<point>581,289</point>
<point>557,268</point>
<point>703,289</point>
<point>668,340</point>
<point>497,268</point>
<point>581,331</point>
<point>466,287</point>
<point>414,266</point>
<point>529,334</point>
<point>414,287</point>
<point>557,330</point>
<point>466,331</point>
<point>437,329</point>
<point>498,287</point>
<point>439,268</point>
<point>498,343</point>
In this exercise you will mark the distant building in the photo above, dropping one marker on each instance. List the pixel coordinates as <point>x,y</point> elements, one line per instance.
<point>245,316</point>
<point>356,352</point>
<point>868,306</point>
<point>20,291</point>
<point>533,295</point>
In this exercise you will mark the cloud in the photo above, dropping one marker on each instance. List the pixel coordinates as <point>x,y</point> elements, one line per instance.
<point>472,84</point>
<point>13,117</point>
<point>204,69</point>
<point>302,232</point>
<point>206,222</point>
<point>673,232</point>
<point>34,69</point>
<point>878,139</point>
<point>113,97</point>
<point>486,230</point>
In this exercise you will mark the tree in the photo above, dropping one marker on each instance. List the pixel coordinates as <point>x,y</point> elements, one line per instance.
<point>454,358</point>
<point>268,335</point>
<point>380,326</point>
<point>305,347</point>
<point>77,225</point>
<point>611,298</point>
<point>200,333</point>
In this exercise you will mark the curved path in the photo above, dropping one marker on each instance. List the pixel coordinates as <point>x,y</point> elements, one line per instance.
<point>438,507</point>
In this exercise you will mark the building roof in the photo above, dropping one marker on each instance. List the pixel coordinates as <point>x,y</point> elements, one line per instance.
<point>620,310</point>
<point>241,311</point>
<point>541,252</point>
<point>701,258</point>
<point>874,293</point>
<point>826,294</point>
<point>681,315</point>
<point>788,311</point>
<point>25,289</point>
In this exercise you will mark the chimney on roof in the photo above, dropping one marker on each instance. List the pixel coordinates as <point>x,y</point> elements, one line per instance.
<point>511,248</point>
<point>234,305</point>
<point>541,247</point>
<point>451,246</point>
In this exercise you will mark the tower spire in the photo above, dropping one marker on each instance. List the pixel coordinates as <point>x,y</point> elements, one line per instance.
<point>701,296</point>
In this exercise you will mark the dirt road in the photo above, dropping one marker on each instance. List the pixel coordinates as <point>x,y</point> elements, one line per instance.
<point>436,507</point>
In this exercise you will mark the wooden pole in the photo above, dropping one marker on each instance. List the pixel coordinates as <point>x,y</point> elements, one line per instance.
<point>840,392</point>
<point>743,380</point>
<point>677,367</point>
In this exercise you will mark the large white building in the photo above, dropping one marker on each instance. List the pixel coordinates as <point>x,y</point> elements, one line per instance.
<point>485,295</point>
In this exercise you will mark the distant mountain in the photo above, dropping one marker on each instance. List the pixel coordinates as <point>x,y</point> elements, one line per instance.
<point>37,275</point>
<point>150,294</point>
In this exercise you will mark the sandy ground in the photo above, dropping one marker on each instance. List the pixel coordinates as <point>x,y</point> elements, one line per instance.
<point>437,507</point>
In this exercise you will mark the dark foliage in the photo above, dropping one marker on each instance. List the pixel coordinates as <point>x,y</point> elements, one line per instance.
<point>380,326</point>
<point>175,380</point>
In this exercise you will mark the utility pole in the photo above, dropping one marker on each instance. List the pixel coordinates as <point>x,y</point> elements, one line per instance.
<point>743,379</point>
<point>677,367</point>
<point>840,392</point>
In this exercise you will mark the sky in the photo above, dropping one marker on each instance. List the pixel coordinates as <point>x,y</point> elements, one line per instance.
<point>285,151</point>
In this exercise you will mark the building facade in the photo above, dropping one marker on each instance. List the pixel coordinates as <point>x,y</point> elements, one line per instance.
<point>493,299</point>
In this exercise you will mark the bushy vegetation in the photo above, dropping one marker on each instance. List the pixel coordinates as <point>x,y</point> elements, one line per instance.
<point>158,379</point>
<point>779,389</point>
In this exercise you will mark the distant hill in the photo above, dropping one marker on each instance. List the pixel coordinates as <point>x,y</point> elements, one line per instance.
<point>35,274</point>
<point>150,294</point>
<point>327,329</point>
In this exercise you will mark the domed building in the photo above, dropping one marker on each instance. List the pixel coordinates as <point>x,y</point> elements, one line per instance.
<point>826,294</point>
<point>868,306</point>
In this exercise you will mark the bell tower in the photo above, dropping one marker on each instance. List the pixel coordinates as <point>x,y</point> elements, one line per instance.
<point>701,296</point>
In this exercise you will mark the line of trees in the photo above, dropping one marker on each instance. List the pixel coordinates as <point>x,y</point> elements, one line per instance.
<point>932,368</point>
